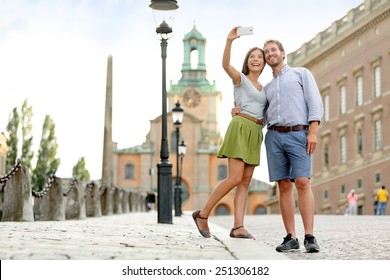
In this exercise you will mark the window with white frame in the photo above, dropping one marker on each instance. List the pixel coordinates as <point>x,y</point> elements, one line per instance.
<point>326,194</point>
<point>342,189</point>
<point>129,171</point>
<point>377,177</point>
<point>377,81</point>
<point>343,149</point>
<point>377,135</point>
<point>359,91</point>
<point>343,99</point>
<point>326,156</point>
<point>359,142</point>
<point>326,108</point>
<point>359,183</point>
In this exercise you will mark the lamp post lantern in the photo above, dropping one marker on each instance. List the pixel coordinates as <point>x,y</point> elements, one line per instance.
<point>177,118</point>
<point>164,167</point>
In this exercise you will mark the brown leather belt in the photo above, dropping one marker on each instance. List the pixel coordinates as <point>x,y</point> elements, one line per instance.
<point>288,128</point>
<point>256,121</point>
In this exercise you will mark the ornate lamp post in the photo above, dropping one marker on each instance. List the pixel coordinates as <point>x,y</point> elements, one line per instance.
<point>164,168</point>
<point>182,153</point>
<point>177,118</point>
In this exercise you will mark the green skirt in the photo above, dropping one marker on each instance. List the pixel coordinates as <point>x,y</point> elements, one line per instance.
<point>242,140</point>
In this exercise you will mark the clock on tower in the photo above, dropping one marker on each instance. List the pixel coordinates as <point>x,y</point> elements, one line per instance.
<point>191,98</point>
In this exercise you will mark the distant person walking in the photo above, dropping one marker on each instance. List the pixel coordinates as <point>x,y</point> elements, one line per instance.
<point>352,203</point>
<point>383,197</point>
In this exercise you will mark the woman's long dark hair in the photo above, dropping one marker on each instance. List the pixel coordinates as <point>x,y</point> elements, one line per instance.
<point>245,68</point>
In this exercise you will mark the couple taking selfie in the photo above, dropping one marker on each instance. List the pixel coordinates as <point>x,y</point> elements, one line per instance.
<point>290,106</point>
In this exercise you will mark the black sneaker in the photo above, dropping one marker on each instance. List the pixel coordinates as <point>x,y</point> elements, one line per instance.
<point>289,244</point>
<point>311,244</point>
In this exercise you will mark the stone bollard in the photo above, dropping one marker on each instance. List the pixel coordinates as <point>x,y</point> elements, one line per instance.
<point>106,200</point>
<point>143,202</point>
<point>92,201</point>
<point>74,202</point>
<point>50,205</point>
<point>18,200</point>
<point>124,196</point>
<point>116,199</point>
<point>134,202</point>
<point>1,201</point>
<point>130,201</point>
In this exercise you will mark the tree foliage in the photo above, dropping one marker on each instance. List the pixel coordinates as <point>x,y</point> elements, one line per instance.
<point>47,163</point>
<point>12,129</point>
<point>80,172</point>
<point>27,137</point>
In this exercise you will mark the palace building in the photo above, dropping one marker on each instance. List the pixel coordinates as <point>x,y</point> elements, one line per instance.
<point>350,61</point>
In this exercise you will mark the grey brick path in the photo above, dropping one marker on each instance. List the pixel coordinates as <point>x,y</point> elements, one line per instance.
<point>340,237</point>
<point>134,236</point>
<point>138,236</point>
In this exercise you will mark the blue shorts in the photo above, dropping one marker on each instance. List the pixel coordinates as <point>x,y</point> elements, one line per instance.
<point>287,155</point>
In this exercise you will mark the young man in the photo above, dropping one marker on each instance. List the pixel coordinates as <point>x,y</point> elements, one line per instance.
<point>294,113</point>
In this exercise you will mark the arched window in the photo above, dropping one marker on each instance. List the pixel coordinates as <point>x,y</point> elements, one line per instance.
<point>222,210</point>
<point>222,172</point>
<point>173,142</point>
<point>260,210</point>
<point>129,171</point>
<point>194,59</point>
<point>185,194</point>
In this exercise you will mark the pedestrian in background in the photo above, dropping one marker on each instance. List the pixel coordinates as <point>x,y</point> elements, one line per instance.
<point>352,203</point>
<point>383,197</point>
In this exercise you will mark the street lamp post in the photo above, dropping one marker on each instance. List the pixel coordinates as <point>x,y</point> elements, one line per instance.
<point>182,153</point>
<point>177,117</point>
<point>164,167</point>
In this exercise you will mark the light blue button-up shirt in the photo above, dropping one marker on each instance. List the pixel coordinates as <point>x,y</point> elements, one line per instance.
<point>293,98</point>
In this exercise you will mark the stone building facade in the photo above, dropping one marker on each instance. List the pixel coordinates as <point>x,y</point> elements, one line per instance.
<point>351,63</point>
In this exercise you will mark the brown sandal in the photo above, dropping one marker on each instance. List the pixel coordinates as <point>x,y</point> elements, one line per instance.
<point>246,236</point>
<point>205,233</point>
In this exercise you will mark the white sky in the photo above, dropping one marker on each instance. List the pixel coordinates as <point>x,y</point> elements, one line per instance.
<point>54,53</point>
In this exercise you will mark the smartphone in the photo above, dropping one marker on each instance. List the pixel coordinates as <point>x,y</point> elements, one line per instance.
<point>247,30</point>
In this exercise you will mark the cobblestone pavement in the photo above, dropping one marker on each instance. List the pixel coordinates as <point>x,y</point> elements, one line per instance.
<point>138,236</point>
<point>340,237</point>
<point>134,236</point>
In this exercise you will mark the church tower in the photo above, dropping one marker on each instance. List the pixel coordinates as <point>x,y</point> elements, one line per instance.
<point>200,101</point>
<point>195,93</point>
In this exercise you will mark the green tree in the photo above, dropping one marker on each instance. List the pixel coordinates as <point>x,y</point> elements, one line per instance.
<point>12,129</point>
<point>47,163</point>
<point>27,137</point>
<point>80,172</point>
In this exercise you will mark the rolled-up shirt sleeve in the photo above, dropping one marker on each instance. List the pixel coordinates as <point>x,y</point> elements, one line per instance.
<point>312,96</point>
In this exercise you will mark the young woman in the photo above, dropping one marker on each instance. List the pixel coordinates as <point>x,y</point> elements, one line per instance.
<point>242,140</point>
